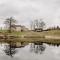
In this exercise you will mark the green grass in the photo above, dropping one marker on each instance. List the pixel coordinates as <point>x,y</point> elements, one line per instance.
<point>3,31</point>
<point>52,32</point>
<point>17,33</point>
<point>12,33</point>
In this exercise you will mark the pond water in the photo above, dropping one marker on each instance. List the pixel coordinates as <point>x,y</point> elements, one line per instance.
<point>30,52</point>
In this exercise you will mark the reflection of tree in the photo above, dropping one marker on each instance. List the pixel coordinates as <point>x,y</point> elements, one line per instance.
<point>10,50</point>
<point>37,48</point>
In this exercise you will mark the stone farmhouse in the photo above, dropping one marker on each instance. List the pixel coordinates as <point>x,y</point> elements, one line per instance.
<point>19,28</point>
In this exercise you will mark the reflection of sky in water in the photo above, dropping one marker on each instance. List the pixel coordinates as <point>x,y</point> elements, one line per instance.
<point>50,53</point>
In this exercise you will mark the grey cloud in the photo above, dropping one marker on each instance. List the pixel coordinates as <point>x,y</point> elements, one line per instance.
<point>23,9</point>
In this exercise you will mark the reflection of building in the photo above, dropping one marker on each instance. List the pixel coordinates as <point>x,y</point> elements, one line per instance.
<point>20,28</point>
<point>10,48</point>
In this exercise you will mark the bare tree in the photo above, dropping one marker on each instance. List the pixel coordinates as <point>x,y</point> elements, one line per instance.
<point>41,24</point>
<point>31,24</point>
<point>9,23</point>
<point>38,24</point>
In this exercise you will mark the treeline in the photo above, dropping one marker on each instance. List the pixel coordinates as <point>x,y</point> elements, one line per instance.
<point>54,28</point>
<point>39,25</point>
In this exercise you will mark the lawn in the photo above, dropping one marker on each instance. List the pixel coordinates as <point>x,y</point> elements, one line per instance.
<point>31,33</point>
<point>52,32</point>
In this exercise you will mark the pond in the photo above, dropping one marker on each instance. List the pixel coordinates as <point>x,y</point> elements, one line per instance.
<point>29,52</point>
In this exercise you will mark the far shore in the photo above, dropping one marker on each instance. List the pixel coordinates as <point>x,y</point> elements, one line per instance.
<point>50,37</point>
<point>53,34</point>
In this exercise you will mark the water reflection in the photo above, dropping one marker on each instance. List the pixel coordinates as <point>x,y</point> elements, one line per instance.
<point>39,48</point>
<point>54,44</point>
<point>35,47</point>
<point>10,49</point>
<point>30,52</point>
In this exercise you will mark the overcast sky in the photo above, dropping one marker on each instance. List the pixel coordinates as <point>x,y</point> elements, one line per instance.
<point>25,10</point>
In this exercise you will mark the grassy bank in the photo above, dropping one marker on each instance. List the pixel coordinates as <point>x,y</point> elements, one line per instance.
<point>33,37</point>
<point>31,34</point>
<point>52,32</point>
